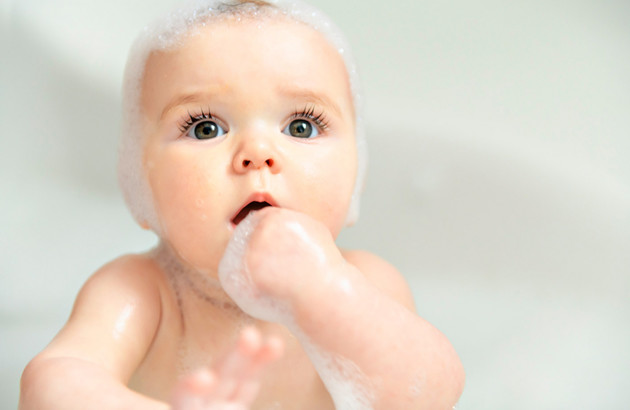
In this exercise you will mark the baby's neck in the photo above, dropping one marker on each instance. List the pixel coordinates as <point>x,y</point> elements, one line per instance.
<point>194,288</point>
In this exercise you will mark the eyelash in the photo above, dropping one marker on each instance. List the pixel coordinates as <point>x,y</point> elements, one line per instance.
<point>191,120</point>
<point>308,112</point>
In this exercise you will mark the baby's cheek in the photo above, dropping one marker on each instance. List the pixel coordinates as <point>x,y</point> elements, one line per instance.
<point>184,210</point>
<point>329,192</point>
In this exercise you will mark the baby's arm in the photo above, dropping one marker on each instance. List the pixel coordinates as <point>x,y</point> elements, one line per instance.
<point>110,330</point>
<point>355,319</point>
<point>90,361</point>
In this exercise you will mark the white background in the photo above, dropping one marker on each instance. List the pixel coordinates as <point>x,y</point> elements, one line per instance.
<point>499,179</point>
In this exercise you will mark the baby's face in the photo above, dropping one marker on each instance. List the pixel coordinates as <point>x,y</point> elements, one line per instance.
<point>246,111</point>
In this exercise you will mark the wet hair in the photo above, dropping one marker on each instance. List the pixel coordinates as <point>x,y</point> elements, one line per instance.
<point>169,32</point>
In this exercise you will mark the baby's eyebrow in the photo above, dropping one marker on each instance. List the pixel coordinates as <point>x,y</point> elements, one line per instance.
<point>311,96</point>
<point>292,93</point>
<point>183,99</point>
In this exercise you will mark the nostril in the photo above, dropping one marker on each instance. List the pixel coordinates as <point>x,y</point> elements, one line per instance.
<point>246,163</point>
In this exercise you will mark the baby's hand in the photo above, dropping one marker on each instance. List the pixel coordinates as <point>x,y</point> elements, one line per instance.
<point>274,255</point>
<point>234,382</point>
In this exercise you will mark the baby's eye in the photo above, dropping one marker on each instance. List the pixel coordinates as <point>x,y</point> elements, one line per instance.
<point>300,129</point>
<point>205,130</point>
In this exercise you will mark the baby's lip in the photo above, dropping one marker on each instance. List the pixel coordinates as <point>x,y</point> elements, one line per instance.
<point>254,202</point>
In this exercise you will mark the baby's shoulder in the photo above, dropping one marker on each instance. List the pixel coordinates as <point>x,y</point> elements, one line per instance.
<point>136,265</point>
<point>115,316</point>
<point>135,276</point>
<point>131,268</point>
<point>381,274</point>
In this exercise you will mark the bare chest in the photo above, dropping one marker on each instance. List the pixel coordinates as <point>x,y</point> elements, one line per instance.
<point>289,383</point>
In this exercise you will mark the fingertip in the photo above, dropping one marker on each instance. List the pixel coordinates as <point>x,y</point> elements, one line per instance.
<point>200,381</point>
<point>272,350</point>
<point>250,340</point>
<point>191,388</point>
<point>249,332</point>
<point>275,345</point>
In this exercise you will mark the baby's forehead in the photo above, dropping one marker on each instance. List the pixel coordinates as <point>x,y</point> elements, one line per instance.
<point>248,46</point>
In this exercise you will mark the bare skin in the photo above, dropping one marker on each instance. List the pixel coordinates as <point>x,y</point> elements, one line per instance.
<point>364,312</point>
<point>169,330</point>
<point>234,382</point>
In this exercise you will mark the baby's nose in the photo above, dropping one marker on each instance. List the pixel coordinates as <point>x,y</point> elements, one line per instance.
<point>254,154</point>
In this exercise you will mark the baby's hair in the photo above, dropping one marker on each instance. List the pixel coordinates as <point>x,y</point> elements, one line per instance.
<point>237,3</point>
<point>168,33</point>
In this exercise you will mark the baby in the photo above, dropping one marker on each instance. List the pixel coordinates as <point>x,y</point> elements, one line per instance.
<point>243,150</point>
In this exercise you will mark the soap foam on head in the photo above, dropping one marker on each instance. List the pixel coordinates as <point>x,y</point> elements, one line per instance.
<point>168,33</point>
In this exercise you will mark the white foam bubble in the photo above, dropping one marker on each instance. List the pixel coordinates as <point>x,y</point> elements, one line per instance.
<point>417,385</point>
<point>348,386</point>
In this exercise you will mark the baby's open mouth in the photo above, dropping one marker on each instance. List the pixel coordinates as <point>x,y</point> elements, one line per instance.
<point>250,207</point>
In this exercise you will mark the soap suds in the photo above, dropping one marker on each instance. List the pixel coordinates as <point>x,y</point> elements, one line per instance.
<point>348,386</point>
<point>417,385</point>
